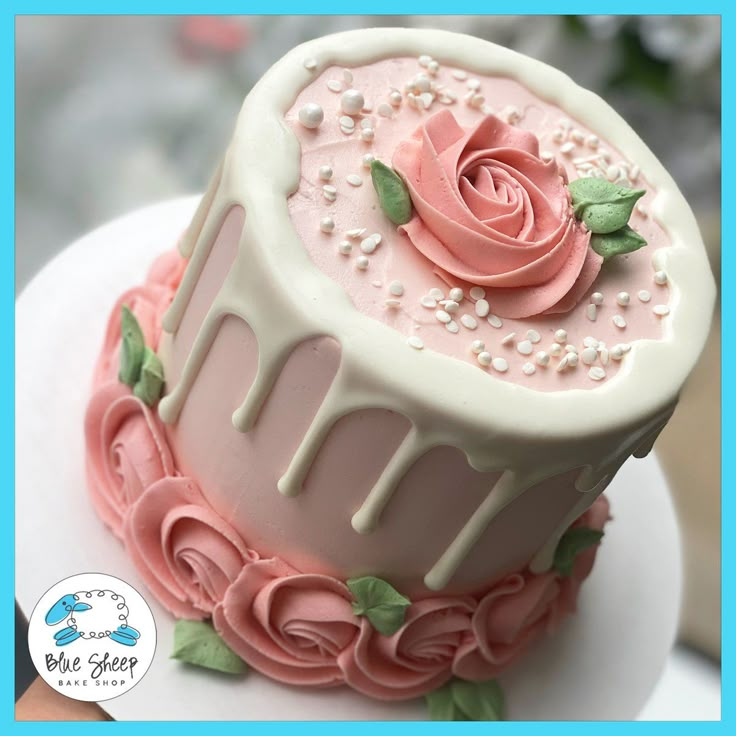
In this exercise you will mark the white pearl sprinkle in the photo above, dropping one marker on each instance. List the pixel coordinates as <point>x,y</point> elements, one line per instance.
<point>592,142</point>
<point>623,298</point>
<point>368,245</point>
<point>542,358</point>
<point>641,208</point>
<point>347,76</point>
<point>534,336</point>
<point>345,247</point>
<point>555,349</point>
<point>325,173</point>
<point>477,346</point>
<point>424,60</point>
<point>361,263</point>
<point>473,84</point>
<point>329,192</point>
<point>500,364</point>
<point>525,347</point>
<point>385,110</point>
<point>477,292</point>
<point>596,298</point>
<point>597,373</point>
<point>528,369</point>
<point>661,310</point>
<point>564,362</point>
<point>591,312</point>
<point>456,294</point>
<point>589,356</point>
<point>469,321</point>
<point>453,327</point>
<point>436,293</point>
<point>603,355</point>
<point>354,180</point>
<point>494,321</point>
<point>617,352</point>
<point>416,342</point>
<point>368,159</point>
<point>567,148</point>
<point>352,101</point>
<point>356,232</point>
<point>326,224</point>
<point>392,303</point>
<point>311,115</point>
<point>508,339</point>
<point>347,122</point>
<point>367,134</point>
<point>310,64</point>
<point>460,74</point>
<point>366,123</point>
<point>443,316</point>
<point>484,358</point>
<point>644,296</point>
<point>450,305</point>
<point>395,98</point>
<point>482,308</point>
<point>619,321</point>
<point>433,67</point>
<point>571,348</point>
<point>334,85</point>
<point>572,359</point>
<point>561,336</point>
<point>590,342</point>
<point>660,277</point>
<point>396,288</point>
<point>429,302</point>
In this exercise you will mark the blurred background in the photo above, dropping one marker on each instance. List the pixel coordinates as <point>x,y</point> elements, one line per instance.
<point>117,112</point>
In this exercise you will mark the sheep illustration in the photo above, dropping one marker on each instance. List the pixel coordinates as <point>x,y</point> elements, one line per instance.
<point>92,614</point>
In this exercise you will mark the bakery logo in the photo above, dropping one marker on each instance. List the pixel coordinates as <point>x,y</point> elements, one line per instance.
<point>92,637</point>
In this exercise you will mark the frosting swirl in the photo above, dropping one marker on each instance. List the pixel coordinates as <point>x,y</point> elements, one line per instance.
<point>488,210</point>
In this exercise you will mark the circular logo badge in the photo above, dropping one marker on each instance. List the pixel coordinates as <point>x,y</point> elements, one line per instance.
<point>92,637</point>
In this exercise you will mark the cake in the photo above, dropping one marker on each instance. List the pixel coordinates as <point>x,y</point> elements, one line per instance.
<point>359,423</point>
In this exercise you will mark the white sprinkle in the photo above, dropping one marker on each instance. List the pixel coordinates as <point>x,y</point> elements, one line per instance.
<point>597,373</point>
<point>661,310</point>
<point>561,336</point>
<point>347,76</point>
<point>433,67</point>
<point>356,232</point>
<point>534,336</point>
<point>500,364</point>
<point>589,356</point>
<point>456,294</point>
<point>619,321</point>
<point>415,342</point>
<point>577,135</point>
<point>450,305</point>
<point>426,99</point>
<point>347,122</point>
<point>368,159</point>
<point>644,296</point>
<point>396,288</point>
<point>546,156</point>
<point>625,347</point>
<point>476,101</point>
<point>603,355</point>
<point>528,369</point>
<point>366,123</point>
<point>443,316</point>
<point>429,302</point>
<point>367,134</point>
<point>592,142</point>
<point>634,173</point>
<point>596,298</point>
<point>329,192</point>
<point>395,98</point>
<point>494,321</point>
<point>361,263</point>
<point>345,247</point>
<point>354,180</point>
<point>311,115</point>
<point>623,298</point>
<point>572,359</point>
<point>558,136</point>
<point>477,292</point>
<point>377,238</point>
<point>567,148</point>
<point>571,349</point>
<point>617,352</point>
<point>563,363</point>
<point>326,224</point>
<point>424,60</point>
<point>612,173</point>
<point>376,283</point>
<point>473,84</point>
<point>352,102</point>
<point>641,208</point>
<point>590,342</point>
<point>453,327</point>
<point>478,346</point>
<point>484,358</point>
<point>660,277</point>
<point>392,303</point>
<point>542,358</point>
<point>469,321</point>
<point>368,245</point>
<point>592,312</point>
<point>385,110</point>
<point>482,308</point>
<point>334,85</point>
<point>508,339</point>
<point>310,64</point>
<point>436,293</point>
<point>460,74</point>
<point>525,347</point>
<point>555,349</point>
<point>325,173</point>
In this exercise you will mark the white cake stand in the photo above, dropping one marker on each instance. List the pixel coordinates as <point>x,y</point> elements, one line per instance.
<point>602,665</point>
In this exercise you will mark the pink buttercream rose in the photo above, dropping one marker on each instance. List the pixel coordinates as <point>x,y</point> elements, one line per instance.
<point>187,554</point>
<point>126,451</point>
<point>287,625</point>
<point>521,608</point>
<point>488,210</point>
<point>417,658</point>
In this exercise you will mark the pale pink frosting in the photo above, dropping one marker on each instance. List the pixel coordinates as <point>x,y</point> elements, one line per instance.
<point>290,626</point>
<point>489,211</point>
<point>522,607</point>
<point>186,553</point>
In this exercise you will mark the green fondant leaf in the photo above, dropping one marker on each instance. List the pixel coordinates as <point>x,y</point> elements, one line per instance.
<point>573,542</point>
<point>479,701</point>
<point>381,603</point>
<point>622,241</point>
<point>441,705</point>
<point>603,206</point>
<point>196,642</point>
<point>151,382</point>
<point>393,195</point>
<point>131,350</point>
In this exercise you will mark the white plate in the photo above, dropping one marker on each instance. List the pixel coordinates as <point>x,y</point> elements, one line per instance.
<point>603,664</point>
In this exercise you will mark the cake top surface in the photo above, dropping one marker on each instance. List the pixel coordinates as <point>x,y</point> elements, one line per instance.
<point>396,109</point>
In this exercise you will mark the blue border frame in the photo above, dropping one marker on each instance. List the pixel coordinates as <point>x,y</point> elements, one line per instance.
<point>723,8</point>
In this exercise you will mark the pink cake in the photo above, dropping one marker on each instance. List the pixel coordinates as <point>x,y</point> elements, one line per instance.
<point>434,297</point>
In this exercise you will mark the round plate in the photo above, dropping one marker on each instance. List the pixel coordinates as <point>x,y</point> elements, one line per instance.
<point>602,665</point>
